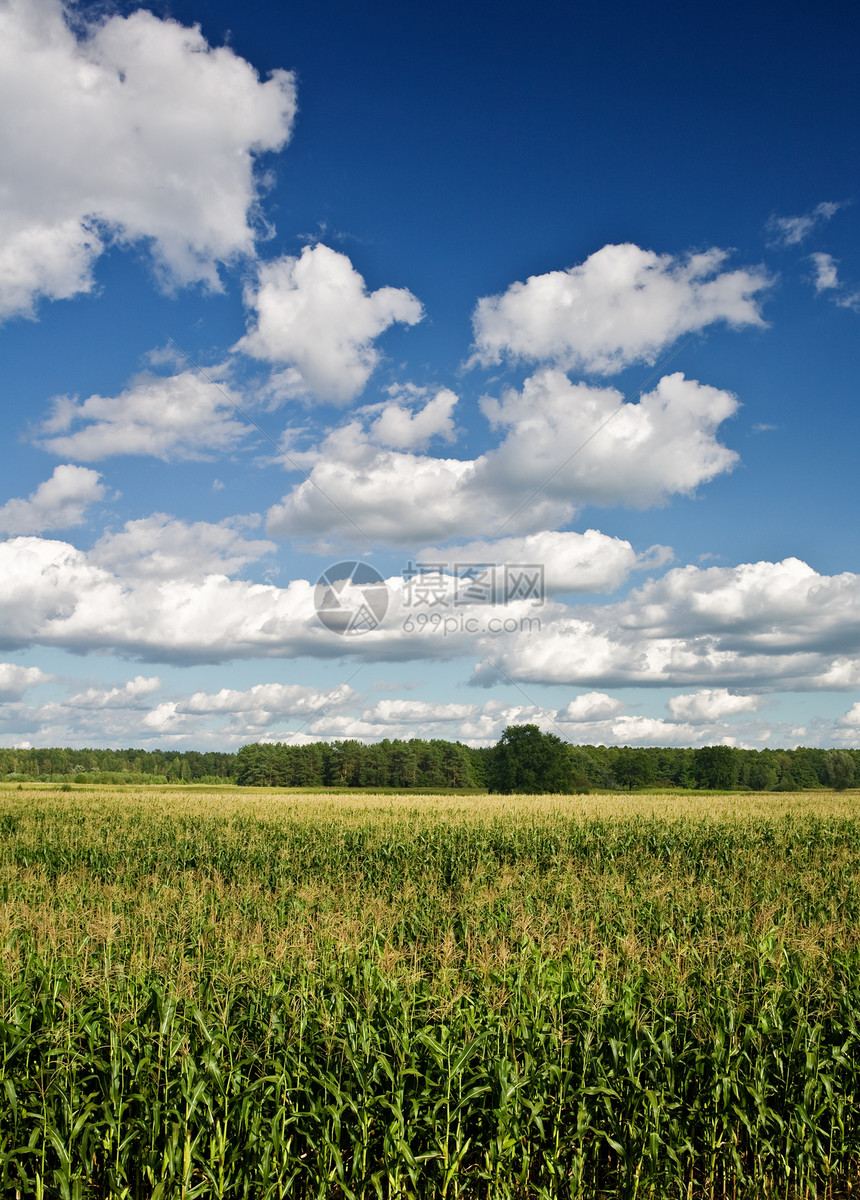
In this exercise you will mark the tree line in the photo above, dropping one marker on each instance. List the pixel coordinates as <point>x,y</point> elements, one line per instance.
<point>134,766</point>
<point>524,760</point>
<point>389,763</point>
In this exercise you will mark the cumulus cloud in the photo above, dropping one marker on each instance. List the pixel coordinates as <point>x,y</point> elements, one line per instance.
<point>50,592</point>
<point>710,704</point>
<point>639,454</point>
<point>591,706</point>
<point>564,445</point>
<point>266,700</point>
<point>132,131</point>
<point>403,429</point>
<point>622,305</point>
<point>58,503</point>
<point>54,594</point>
<point>569,650</point>
<point>389,495</point>
<point>411,713</point>
<point>471,723</point>
<point>241,715</point>
<point>851,719</point>
<point>791,231</point>
<point>606,725</point>
<point>135,694</point>
<point>125,714</point>
<point>568,561</point>
<point>315,316</point>
<point>165,719</point>
<point>763,606</point>
<point>653,731</point>
<point>484,724</point>
<point>161,547</point>
<point>761,625</point>
<point>16,680</point>
<point>179,417</point>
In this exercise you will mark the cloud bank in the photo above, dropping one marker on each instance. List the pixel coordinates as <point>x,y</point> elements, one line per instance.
<point>757,626</point>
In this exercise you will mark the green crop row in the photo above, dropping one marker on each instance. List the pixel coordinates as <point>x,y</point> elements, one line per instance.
<point>205,1000</point>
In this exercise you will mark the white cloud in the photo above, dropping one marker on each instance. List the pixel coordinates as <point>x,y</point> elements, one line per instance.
<point>165,719</point>
<point>179,417</point>
<point>391,497</point>
<point>653,731</point>
<point>565,445</point>
<point>764,606</point>
<point>136,131</point>
<point>605,727</point>
<point>761,625</point>
<point>315,315</point>
<point>135,694</point>
<point>827,279</point>
<point>826,274</point>
<point>591,706</point>
<point>710,704</point>
<point>52,593</point>
<point>568,650</point>
<point>161,547</point>
<point>472,723</point>
<point>15,680</point>
<point>416,713</point>
<point>791,231</point>
<point>267,700</point>
<point>403,429</point>
<point>57,503</point>
<point>639,454</point>
<point>570,562</point>
<point>124,715</point>
<point>851,719</point>
<point>341,726</point>
<point>622,305</point>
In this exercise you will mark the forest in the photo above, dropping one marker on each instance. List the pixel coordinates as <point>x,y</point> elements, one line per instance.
<point>438,764</point>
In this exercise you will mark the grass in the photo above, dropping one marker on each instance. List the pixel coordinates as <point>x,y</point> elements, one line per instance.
<point>250,994</point>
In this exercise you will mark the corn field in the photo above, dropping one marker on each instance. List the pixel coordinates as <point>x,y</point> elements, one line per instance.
<point>208,995</point>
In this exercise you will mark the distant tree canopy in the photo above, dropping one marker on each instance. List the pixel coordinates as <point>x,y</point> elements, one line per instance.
<point>715,767</point>
<point>118,766</point>
<point>398,764</point>
<point>524,760</point>
<point>840,769</point>
<point>634,768</point>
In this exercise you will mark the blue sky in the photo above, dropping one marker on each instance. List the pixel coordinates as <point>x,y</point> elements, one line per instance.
<point>566,295</point>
